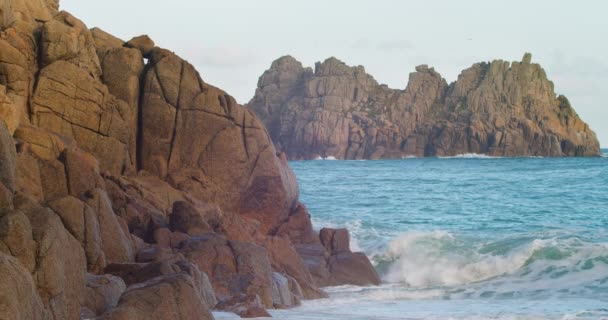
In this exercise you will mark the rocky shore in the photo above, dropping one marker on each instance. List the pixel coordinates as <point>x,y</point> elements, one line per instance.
<point>130,188</point>
<point>496,108</point>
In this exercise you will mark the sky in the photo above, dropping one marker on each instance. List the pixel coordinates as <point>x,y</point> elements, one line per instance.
<point>232,42</point>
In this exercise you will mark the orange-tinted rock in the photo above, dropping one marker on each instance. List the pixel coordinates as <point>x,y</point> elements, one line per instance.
<point>53,179</point>
<point>70,102</point>
<point>116,243</point>
<point>233,267</point>
<point>59,277</point>
<point>142,43</point>
<point>16,239</point>
<point>6,199</point>
<point>82,171</point>
<point>41,142</point>
<point>82,222</point>
<point>103,39</point>
<point>207,144</point>
<point>20,300</point>
<point>122,68</point>
<point>298,227</point>
<point>28,176</point>
<point>8,154</point>
<point>66,38</point>
<point>164,298</point>
<point>28,11</point>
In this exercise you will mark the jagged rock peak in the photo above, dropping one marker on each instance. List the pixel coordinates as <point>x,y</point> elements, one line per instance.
<point>500,108</point>
<point>332,66</point>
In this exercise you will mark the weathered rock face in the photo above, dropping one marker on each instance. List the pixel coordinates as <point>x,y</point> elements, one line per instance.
<point>199,138</point>
<point>497,108</point>
<point>132,189</point>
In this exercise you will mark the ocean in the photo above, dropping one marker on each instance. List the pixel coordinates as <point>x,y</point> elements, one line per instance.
<point>467,237</point>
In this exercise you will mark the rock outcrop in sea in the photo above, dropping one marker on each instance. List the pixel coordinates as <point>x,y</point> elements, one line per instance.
<point>497,108</point>
<point>132,189</point>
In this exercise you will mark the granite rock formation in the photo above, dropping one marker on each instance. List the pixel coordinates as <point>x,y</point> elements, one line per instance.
<point>496,108</point>
<point>132,189</point>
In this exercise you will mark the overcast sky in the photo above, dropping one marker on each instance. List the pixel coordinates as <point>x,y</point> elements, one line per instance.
<point>232,42</point>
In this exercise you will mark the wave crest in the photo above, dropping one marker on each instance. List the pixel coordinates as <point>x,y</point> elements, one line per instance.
<point>438,258</point>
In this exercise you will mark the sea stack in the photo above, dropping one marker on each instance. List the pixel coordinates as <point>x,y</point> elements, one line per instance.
<point>130,188</point>
<point>497,108</point>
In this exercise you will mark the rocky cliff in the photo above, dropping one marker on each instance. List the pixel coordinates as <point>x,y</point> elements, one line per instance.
<point>497,108</point>
<point>132,189</point>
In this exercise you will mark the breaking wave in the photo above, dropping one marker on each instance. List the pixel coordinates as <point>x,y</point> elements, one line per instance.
<point>503,268</point>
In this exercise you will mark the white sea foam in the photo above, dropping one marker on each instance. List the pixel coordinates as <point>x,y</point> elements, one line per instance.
<point>429,258</point>
<point>469,156</point>
<point>326,158</point>
<point>437,258</point>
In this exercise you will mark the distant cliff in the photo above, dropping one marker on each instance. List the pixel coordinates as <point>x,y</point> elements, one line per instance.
<point>497,108</point>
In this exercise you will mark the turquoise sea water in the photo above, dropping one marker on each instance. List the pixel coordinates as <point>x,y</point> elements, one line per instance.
<point>468,237</point>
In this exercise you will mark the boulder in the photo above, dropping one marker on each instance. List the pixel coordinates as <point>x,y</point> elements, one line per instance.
<point>335,240</point>
<point>286,260</point>
<point>103,39</point>
<point>142,43</point>
<point>332,263</point>
<point>65,38</point>
<point>29,11</point>
<point>233,267</point>
<point>102,292</point>
<point>82,222</point>
<point>20,300</point>
<point>163,298</point>
<point>41,142</point>
<point>82,171</point>
<point>60,262</point>
<point>27,176</point>
<point>116,243</point>
<point>352,268</point>
<point>16,239</point>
